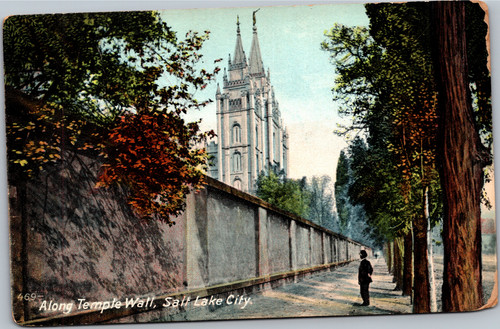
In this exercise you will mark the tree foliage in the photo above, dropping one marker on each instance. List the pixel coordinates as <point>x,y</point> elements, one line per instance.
<point>312,200</point>
<point>124,74</point>
<point>352,217</point>
<point>321,202</point>
<point>358,84</point>
<point>151,153</point>
<point>385,84</point>
<point>38,133</point>
<point>75,60</point>
<point>287,194</point>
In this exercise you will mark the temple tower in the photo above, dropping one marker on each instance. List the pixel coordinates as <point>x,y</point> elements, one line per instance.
<point>251,134</point>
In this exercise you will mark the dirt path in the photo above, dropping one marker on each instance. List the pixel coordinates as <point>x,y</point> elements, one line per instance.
<point>333,293</point>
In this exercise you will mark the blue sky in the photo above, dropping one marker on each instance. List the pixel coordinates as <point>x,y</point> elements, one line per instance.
<point>302,76</point>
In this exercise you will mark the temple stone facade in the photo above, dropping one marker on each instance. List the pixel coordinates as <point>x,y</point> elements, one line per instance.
<point>251,134</point>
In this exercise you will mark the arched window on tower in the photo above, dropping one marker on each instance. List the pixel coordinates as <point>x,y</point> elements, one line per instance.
<point>237,183</point>
<point>236,133</point>
<point>284,161</point>
<point>257,164</point>
<point>236,162</point>
<point>256,136</point>
<point>275,158</point>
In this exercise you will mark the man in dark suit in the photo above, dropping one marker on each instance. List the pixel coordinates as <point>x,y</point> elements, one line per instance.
<point>365,277</point>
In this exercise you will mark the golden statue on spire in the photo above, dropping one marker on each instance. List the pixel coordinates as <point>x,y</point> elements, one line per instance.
<point>254,20</point>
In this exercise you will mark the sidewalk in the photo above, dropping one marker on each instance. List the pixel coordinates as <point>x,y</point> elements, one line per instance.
<point>333,293</point>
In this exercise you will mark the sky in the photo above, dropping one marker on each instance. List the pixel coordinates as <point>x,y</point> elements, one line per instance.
<point>301,73</point>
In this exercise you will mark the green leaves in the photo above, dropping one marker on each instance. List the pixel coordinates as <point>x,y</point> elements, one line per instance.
<point>284,193</point>
<point>358,65</point>
<point>124,74</point>
<point>39,134</point>
<point>114,58</point>
<point>385,84</point>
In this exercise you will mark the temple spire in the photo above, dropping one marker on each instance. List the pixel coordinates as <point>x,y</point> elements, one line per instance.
<point>239,54</point>
<point>256,65</point>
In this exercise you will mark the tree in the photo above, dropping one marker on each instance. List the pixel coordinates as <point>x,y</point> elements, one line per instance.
<point>321,202</point>
<point>341,189</point>
<point>150,152</point>
<point>413,98</point>
<point>387,83</point>
<point>359,84</point>
<point>385,78</point>
<point>353,217</point>
<point>363,89</point>
<point>286,194</point>
<point>127,76</point>
<point>75,60</point>
<point>463,158</point>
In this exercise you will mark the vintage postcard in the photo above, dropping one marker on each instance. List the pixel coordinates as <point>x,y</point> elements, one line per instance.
<point>250,163</point>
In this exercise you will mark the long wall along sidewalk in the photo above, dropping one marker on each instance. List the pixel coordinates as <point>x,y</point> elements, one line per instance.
<point>71,241</point>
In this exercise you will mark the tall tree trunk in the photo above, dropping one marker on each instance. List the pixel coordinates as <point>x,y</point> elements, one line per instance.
<point>408,264</point>
<point>432,277</point>
<point>462,159</point>
<point>421,298</point>
<point>401,262</point>
<point>431,263</point>
<point>389,257</point>
<point>397,265</point>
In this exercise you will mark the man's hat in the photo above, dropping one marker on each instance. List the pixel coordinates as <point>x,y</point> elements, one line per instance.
<point>363,253</point>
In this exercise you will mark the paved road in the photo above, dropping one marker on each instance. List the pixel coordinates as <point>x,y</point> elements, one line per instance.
<point>333,293</point>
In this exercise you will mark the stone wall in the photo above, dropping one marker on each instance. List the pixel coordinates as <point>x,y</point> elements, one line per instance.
<point>72,241</point>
